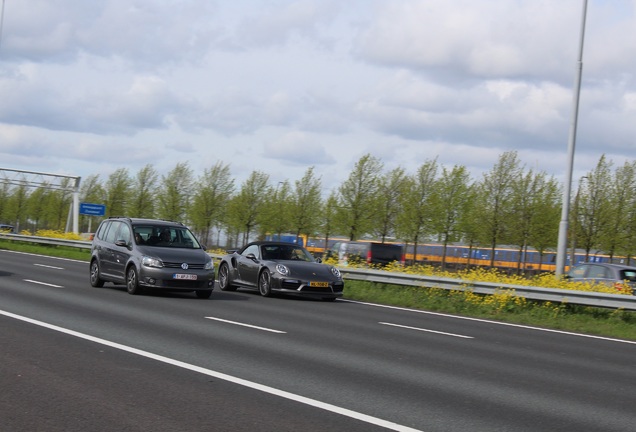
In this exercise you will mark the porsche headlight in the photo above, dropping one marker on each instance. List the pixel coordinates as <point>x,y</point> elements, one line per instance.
<point>284,270</point>
<point>151,262</point>
<point>336,272</point>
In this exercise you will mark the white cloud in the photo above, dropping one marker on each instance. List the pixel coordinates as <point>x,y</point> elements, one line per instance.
<point>297,148</point>
<point>284,85</point>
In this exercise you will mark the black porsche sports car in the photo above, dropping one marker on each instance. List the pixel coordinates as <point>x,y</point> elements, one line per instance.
<point>280,267</point>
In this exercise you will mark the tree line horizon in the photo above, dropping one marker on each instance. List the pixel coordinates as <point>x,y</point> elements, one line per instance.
<point>508,205</point>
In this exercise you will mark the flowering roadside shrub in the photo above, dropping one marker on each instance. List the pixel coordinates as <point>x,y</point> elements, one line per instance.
<point>58,234</point>
<point>55,234</point>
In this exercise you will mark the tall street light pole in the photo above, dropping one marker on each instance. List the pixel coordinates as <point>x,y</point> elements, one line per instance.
<point>567,189</point>
<point>1,22</point>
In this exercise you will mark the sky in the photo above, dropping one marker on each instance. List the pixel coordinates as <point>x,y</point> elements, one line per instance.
<point>279,86</point>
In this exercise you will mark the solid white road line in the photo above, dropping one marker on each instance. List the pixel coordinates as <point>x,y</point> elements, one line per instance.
<point>266,389</point>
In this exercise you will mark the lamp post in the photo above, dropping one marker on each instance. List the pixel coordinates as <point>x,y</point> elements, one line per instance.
<point>1,22</point>
<point>567,189</point>
<point>575,220</point>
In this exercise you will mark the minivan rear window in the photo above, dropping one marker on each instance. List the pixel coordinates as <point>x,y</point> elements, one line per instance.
<point>111,234</point>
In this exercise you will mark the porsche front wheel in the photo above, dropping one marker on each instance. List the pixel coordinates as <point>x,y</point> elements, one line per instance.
<point>224,278</point>
<point>264,284</point>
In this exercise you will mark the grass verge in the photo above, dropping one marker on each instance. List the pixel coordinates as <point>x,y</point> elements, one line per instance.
<point>49,250</point>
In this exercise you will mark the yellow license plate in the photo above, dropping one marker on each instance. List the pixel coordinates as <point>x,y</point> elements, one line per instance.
<point>319,284</point>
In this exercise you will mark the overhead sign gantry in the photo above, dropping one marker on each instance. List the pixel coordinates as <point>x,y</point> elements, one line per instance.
<point>48,181</point>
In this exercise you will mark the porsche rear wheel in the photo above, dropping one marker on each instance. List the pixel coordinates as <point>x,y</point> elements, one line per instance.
<point>264,283</point>
<point>224,278</point>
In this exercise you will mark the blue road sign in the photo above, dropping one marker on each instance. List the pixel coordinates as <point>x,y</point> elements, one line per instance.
<point>92,209</point>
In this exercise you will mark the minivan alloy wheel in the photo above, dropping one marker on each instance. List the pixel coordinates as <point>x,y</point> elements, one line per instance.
<point>96,281</point>
<point>132,282</point>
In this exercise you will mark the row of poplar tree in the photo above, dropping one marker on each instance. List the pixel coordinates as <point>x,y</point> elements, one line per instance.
<point>508,205</point>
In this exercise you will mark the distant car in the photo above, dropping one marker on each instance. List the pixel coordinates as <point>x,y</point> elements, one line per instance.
<point>6,228</point>
<point>615,275</point>
<point>150,253</point>
<point>87,236</point>
<point>279,267</point>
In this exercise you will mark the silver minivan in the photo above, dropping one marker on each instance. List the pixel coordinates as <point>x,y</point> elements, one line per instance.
<point>150,254</point>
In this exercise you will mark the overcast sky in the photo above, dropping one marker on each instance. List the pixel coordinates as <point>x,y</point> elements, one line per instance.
<point>87,87</point>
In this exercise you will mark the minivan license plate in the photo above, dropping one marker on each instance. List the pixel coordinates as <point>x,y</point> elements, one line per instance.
<point>184,276</point>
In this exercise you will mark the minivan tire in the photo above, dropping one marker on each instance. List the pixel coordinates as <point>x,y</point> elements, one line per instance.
<point>132,281</point>
<point>96,281</point>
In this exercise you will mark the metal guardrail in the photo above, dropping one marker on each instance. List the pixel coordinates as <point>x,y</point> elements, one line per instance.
<point>614,301</point>
<point>47,240</point>
<point>596,299</point>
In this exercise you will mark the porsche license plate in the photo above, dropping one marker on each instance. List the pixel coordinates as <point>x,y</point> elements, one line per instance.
<point>319,284</point>
<point>184,276</point>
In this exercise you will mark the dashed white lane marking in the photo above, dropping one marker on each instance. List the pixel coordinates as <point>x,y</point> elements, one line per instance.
<point>245,325</point>
<point>49,266</point>
<point>426,330</point>
<point>43,283</point>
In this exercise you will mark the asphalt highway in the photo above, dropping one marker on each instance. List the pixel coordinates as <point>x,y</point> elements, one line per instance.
<point>77,358</point>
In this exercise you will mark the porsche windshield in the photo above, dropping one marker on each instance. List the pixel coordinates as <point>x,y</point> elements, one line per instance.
<point>285,253</point>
